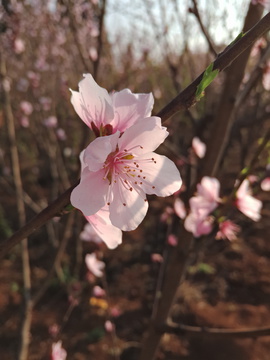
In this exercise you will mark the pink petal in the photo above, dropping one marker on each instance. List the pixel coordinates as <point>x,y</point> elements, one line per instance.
<point>89,196</point>
<point>199,147</point>
<point>98,150</point>
<point>94,265</point>
<point>161,177</point>
<point>127,217</point>
<point>92,103</point>
<point>180,209</point>
<point>145,136</point>
<point>265,184</point>
<point>209,188</point>
<point>250,206</point>
<point>130,108</point>
<point>101,223</point>
<point>243,189</point>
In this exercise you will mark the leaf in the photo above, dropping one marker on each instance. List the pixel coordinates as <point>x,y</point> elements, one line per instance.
<point>208,76</point>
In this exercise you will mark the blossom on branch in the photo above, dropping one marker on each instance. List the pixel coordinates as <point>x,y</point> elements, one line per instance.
<point>58,353</point>
<point>246,203</point>
<point>227,230</point>
<point>106,113</point>
<point>94,265</point>
<point>198,147</point>
<point>120,169</point>
<point>198,221</point>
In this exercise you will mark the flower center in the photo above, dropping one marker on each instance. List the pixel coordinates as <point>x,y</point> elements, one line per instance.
<point>127,170</point>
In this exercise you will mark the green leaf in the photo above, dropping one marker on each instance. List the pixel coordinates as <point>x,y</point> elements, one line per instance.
<point>208,76</point>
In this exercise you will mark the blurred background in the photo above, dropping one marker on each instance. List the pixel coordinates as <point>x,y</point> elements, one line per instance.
<point>157,46</point>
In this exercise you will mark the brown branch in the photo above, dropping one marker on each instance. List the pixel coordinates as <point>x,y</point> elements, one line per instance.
<point>225,113</point>
<point>187,330</point>
<point>187,97</point>
<point>182,101</point>
<point>100,40</point>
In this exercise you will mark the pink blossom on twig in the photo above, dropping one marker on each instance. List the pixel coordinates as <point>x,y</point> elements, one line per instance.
<point>246,203</point>
<point>94,265</point>
<point>228,230</point>
<point>121,169</point>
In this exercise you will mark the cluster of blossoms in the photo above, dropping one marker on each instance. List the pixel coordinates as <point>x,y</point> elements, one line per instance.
<point>120,167</point>
<point>200,220</point>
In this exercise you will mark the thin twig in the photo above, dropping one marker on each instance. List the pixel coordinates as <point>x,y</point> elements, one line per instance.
<point>196,12</point>
<point>26,271</point>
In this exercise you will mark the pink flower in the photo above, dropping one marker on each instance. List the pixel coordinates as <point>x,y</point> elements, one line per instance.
<point>228,230</point>
<point>198,225</point>
<point>45,102</point>
<point>109,326</point>
<point>50,122</point>
<point>93,53</point>
<point>180,209</point>
<point>61,134</point>
<point>157,258</point>
<point>24,121</point>
<point>98,291</point>
<point>101,228</point>
<point>120,170</point>
<point>198,221</point>
<point>265,184</point>
<point>209,190</point>
<point>246,203</point>
<point>106,113</point>
<point>26,107</point>
<point>172,240</point>
<point>198,147</point>
<point>19,46</point>
<point>94,265</point>
<point>58,353</point>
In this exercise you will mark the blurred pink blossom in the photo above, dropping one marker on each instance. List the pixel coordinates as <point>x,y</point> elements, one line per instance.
<point>266,77</point>
<point>50,122</point>
<point>265,184</point>
<point>258,46</point>
<point>26,107</point>
<point>115,311</point>
<point>54,330</point>
<point>93,53</point>
<point>98,291</point>
<point>198,147</point>
<point>24,121</point>
<point>198,221</point>
<point>45,102</point>
<point>19,46</point>
<point>172,240</point>
<point>109,326</point>
<point>61,134</point>
<point>58,353</point>
<point>228,230</point>
<point>179,208</point>
<point>157,258</point>
<point>166,215</point>
<point>34,78</point>
<point>246,203</point>
<point>198,225</point>
<point>107,113</point>
<point>94,265</point>
<point>265,3</point>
